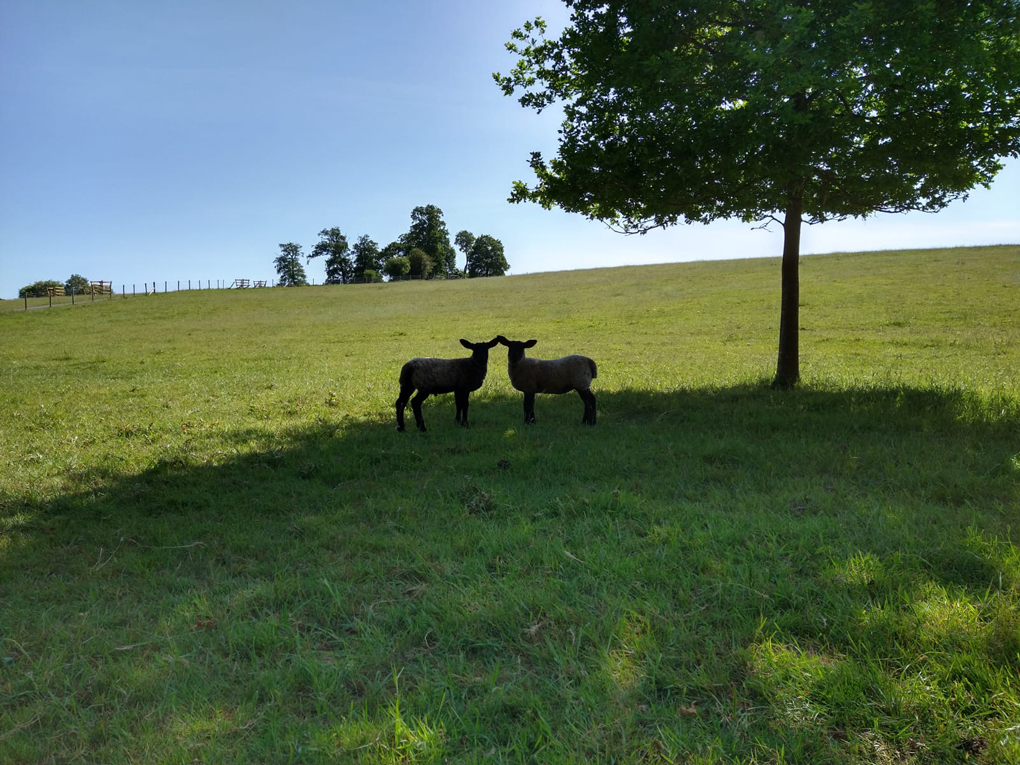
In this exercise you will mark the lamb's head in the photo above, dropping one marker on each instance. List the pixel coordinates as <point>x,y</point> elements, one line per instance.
<point>516,348</point>
<point>480,351</point>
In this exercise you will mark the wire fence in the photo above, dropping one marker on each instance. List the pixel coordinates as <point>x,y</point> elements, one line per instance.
<point>58,297</point>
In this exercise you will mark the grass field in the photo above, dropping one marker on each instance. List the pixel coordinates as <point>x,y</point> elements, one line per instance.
<point>215,547</point>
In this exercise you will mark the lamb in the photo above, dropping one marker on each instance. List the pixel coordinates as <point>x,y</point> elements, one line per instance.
<point>432,376</point>
<point>531,376</point>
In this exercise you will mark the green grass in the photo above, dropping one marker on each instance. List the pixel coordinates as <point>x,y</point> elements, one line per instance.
<point>214,547</point>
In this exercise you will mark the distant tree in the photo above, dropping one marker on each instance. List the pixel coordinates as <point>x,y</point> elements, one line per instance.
<point>367,257</point>
<point>397,249</point>
<point>464,240</point>
<point>371,276</point>
<point>77,284</point>
<point>288,266</point>
<point>397,267</point>
<point>38,289</point>
<point>791,111</point>
<point>421,263</point>
<point>429,234</point>
<point>486,257</point>
<point>333,246</point>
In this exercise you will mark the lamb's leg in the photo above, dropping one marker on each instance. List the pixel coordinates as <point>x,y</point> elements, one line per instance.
<point>461,397</point>
<point>529,408</point>
<point>416,407</point>
<point>405,393</point>
<point>589,407</point>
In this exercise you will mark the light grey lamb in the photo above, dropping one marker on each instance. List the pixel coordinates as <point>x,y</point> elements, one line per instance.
<point>531,376</point>
<point>431,376</point>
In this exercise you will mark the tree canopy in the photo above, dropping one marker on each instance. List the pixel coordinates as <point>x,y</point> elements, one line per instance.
<point>485,257</point>
<point>395,249</point>
<point>38,289</point>
<point>421,264</point>
<point>289,271</point>
<point>333,246</point>
<point>77,284</point>
<point>396,267</point>
<point>367,257</point>
<point>424,250</point>
<point>770,110</point>
<point>464,240</point>
<point>429,234</point>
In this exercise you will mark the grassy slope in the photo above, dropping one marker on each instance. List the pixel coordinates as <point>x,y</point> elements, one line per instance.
<point>215,547</point>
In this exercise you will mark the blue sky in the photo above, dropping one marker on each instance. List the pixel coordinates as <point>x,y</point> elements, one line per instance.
<point>150,141</point>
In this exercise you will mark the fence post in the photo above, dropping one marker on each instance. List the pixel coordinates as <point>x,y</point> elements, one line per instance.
<point>72,295</point>
<point>50,295</point>
<point>164,288</point>
<point>26,302</point>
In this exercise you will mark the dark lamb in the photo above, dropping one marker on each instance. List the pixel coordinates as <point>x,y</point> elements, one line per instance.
<point>433,376</point>
<point>531,376</point>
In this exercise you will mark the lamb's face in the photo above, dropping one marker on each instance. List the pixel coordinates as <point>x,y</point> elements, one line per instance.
<point>479,351</point>
<point>516,348</point>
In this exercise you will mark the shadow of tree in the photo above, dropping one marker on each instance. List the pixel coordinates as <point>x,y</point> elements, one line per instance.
<point>735,570</point>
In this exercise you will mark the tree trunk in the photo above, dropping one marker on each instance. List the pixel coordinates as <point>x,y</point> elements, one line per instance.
<point>788,365</point>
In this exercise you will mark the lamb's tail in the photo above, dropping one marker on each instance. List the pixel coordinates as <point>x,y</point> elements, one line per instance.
<point>406,373</point>
<point>594,368</point>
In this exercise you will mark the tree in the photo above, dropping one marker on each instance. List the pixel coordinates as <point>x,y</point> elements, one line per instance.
<point>38,289</point>
<point>429,234</point>
<point>367,257</point>
<point>333,246</point>
<point>486,257</point>
<point>77,285</point>
<point>396,267</point>
<point>288,266</point>
<point>397,249</point>
<point>464,240</point>
<point>785,111</point>
<point>420,262</point>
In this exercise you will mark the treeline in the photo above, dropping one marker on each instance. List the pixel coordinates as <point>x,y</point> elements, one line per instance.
<point>75,285</point>
<point>424,252</point>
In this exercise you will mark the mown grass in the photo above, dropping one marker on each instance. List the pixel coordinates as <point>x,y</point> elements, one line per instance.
<point>215,546</point>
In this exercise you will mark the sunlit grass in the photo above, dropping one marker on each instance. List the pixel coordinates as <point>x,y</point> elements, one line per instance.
<point>215,547</point>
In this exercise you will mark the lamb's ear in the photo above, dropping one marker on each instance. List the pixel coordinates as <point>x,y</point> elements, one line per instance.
<point>492,343</point>
<point>530,344</point>
<point>502,340</point>
<point>466,344</point>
